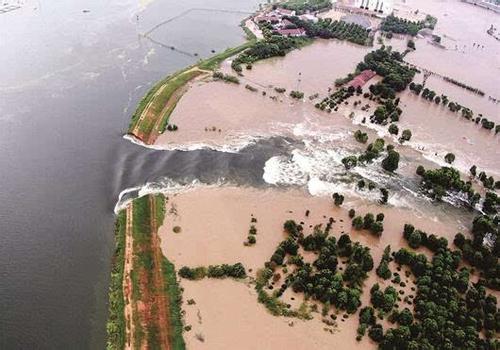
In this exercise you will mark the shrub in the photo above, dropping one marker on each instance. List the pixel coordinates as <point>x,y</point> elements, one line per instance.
<point>357,222</point>
<point>297,94</point>
<point>449,158</point>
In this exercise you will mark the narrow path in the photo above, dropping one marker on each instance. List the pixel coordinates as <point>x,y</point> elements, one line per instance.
<point>127,279</point>
<point>160,295</point>
<point>172,101</point>
<point>144,113</point>
<point>158,119</point>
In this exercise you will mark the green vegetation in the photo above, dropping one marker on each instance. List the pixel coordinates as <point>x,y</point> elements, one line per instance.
<point>383,270</point>
<point>388,64</point>
<point>328,29</point>
<point>410,44</point>
<point>360,136</point>
<point>299,95</point>
<point>370,223</point>
<point>144,285</point>
<point>449,158</point>
<point>373,151</point>
<point>213,271</point>
<point>334,100</point>
<point>157,102</point>
<point>391,162</point>
<point>350,162</point>
<point>446,180</point>
<point>225,77</point>
<point>383,300</point>
<point>483,251</point>
<point>399,25</point>
<point>214,62</point>
<point>174,293</point>
<point>454,107</point>
<point>115,326</point>
<point>251,88</point>
<point>405,135</point>
<point>270,46</point>
<point>487,181</point>
<point>252,232</point>
<point>464,86</point>
<point>303,6</point>
<point>388,110</point>
<point>320,280</point>
<point>338,199</point>
<point>393,129</point>
<point>172,83</point>
<point>450,311</point>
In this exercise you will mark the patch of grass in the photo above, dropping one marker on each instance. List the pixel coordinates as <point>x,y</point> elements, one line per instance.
<point>214,62</point>
<point>141,221</point>
<point>160,208</point>
<point>116,326</point>
<point>175,299</point>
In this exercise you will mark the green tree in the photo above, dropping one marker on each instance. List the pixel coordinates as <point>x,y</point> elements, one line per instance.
<point>357,222</point>
<point>391,162</point>
<point>405,136</point>
<point>350,162</point>
<point>393,129</point>
<point>449,158</point>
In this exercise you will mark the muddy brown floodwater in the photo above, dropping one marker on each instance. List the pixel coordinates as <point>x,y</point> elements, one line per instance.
<point>214,224</point>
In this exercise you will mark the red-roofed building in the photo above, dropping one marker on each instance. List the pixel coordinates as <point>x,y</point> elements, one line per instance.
<point>285,23</point>
<point>268,19</point>
<point>285,12</point>
<point>362,78</point>
<point>292,32</point>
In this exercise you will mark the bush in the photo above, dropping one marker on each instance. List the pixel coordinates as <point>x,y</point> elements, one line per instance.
<point>377,228</point>
<point>251,239</point>
<point>297,94</point>
<point>420,170</point>
<point>391,162</point>
<point>405,136</point>
<point>350,162</point>
<point>393,129</point>
<point>338,199</point>
<point>449,158</point>
<point>357,222</point>
<point>361,136</point>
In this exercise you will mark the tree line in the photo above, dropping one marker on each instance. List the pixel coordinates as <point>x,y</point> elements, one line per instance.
<point>467,113</point>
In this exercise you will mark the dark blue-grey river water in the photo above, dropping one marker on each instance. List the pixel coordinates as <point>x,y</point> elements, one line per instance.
<point>69,80</point>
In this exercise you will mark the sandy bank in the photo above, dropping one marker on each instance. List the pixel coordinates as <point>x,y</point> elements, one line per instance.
<point>214,224</point>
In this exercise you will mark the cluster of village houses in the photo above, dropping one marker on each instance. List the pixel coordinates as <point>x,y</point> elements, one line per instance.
<point>277,19</point>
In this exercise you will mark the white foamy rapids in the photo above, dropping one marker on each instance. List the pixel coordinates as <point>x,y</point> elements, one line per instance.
<point>318,166</point>
<point>165,186</point>
<point>233,144</point>
<point>320,188</point>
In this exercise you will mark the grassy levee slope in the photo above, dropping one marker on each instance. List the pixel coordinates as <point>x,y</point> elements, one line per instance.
<point>153,112</point>
<point>148,330</point>
<point>173,291</point>
<point>115,326</point>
